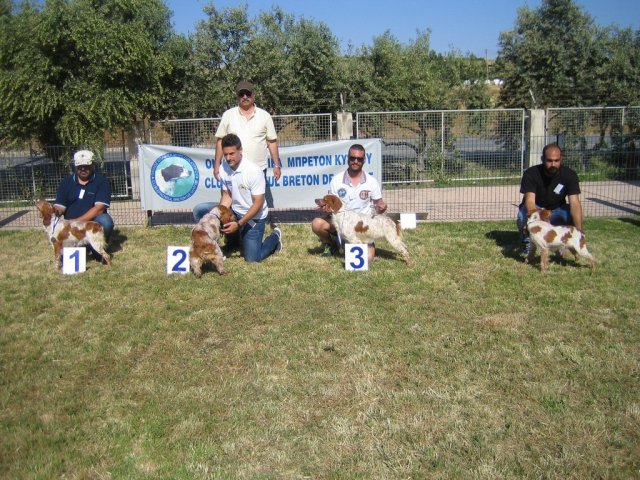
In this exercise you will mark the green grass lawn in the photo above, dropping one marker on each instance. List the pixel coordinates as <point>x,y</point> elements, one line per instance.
<point>468,364</point>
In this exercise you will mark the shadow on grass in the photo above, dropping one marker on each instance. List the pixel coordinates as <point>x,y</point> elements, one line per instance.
<point>632,220</point>
<point>116,240</point>
<point>508,241</point>
<point>380,253</point>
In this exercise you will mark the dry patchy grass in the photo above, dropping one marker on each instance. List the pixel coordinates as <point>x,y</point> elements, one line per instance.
<point>470,364</point>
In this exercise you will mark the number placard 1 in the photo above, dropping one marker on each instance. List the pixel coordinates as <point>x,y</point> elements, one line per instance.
<point>74,260</point>
<point>177,260</point>
<point>356,257</point>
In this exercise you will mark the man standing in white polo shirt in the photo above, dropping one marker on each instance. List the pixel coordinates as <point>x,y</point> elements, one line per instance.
<point>243,188</point>
<point>257,133</point>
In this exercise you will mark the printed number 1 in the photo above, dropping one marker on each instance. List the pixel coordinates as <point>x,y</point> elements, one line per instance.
<point>76,257</point>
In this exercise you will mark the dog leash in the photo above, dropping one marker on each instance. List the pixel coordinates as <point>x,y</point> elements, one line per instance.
<point>53,227</point>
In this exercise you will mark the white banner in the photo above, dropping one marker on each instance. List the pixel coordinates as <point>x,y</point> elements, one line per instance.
<point>178,178</point>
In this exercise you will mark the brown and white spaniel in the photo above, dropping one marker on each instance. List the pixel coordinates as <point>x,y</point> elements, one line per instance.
<point>71,233</point>
<point>546,237</point>
<point>354,227</point>
<point>205,238</point>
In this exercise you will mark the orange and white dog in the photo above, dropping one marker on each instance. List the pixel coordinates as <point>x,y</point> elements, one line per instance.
<point>205,238</point>
<point>71,233</point>
<point>547,237</point>
<point>354,227</point>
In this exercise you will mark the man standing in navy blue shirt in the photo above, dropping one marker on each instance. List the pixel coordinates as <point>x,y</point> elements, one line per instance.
<point>85,194</point>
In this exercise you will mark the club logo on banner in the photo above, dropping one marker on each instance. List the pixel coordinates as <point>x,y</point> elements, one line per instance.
<point>174,177</point>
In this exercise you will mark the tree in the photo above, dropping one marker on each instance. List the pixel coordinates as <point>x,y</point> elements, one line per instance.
<point>72,69</point>
<point>551,58</point>
<point>294,62</point>
<point>619,74</point>
<point>291,61</point>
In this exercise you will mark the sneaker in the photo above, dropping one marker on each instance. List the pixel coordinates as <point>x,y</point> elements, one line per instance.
<point>278,233</point>
<point>330,250</point>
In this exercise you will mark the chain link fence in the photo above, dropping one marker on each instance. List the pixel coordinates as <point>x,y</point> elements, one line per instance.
<point>442,165</point>
<point>200,132</point>
<point>438,161</point>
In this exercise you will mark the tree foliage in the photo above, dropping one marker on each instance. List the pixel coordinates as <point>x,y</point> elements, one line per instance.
<point>556,56</point>
<point>291,61</point>
<point>393,76</point>
<point>72,69</point>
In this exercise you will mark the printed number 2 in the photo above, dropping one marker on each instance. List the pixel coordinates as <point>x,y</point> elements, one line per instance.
<point>179,266</point>
<point>177,260</point>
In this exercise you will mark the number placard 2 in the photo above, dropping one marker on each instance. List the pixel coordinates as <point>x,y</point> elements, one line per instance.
<point>177,260</point>
<point>356,257</point>
<point>74,260</point>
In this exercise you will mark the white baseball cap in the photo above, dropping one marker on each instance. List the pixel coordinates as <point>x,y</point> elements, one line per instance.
<point>83,157</point>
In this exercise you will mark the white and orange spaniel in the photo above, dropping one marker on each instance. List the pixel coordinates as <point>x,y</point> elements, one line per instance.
<point>354,227</point>
<point>71,233</point>
<point>547,237</point>
<point>204,240</point>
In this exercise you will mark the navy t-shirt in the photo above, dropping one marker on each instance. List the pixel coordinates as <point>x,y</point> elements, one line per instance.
<point>551,192</point>
<point>78,199</point>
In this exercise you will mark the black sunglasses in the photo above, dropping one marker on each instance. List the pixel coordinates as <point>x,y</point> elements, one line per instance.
<point>356,159</point>
<point>244,93</point>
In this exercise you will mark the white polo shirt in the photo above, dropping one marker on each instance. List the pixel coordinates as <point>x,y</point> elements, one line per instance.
<point>253,132</point>
<point>245,181</point>
<point>356,198</point>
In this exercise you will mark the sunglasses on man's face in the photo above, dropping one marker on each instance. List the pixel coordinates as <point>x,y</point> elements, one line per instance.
<point>356,159</point>
<point>244,93</point>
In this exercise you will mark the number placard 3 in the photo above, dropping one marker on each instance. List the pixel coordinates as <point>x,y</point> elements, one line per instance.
<point>177,260</point>
<point>356,257</point>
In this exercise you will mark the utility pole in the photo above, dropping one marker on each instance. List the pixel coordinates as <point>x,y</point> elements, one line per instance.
<point>486,61</point>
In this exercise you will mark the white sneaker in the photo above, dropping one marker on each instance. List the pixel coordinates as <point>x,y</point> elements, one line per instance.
<point>278,233</point>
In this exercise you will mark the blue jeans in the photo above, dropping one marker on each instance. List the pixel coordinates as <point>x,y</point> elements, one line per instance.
<point>253,248</point>
<point>201,209</point>
<point>559,216</point>
<point>106,221</point>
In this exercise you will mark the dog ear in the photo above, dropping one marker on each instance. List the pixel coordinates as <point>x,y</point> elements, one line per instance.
<point>545,214</point>
<point>333,203</point>
<point>225,215</point>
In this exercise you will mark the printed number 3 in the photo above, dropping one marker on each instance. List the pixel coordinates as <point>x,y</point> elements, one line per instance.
<point>358,253</point>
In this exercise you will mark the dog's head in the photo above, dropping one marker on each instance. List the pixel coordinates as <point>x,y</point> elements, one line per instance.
<point>45,209</point>
<point>329,203</point>
<point>539,214</point>
<point>172,172</point>
<point>224,214</point>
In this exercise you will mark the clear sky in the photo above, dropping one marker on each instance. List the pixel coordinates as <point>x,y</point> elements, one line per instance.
<point>469,26</point>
